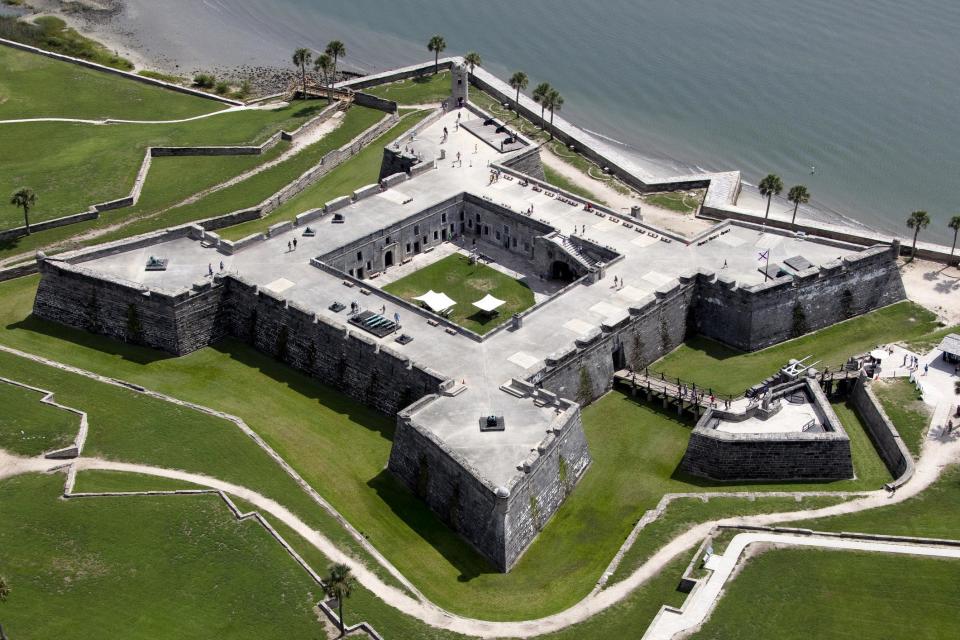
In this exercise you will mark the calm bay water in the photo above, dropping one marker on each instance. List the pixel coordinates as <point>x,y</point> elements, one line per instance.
<point>865,91</point>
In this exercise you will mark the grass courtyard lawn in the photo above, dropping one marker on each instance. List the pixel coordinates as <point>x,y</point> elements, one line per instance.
<point>901,401</point>
<point>635,450</point>
<point>679,201</point>
<point>359,171</point>
<point>806,593</point>
<point>728,371</point>
<point>71,166</point>
<point>29,427</point>
<point>35,86</point>
<point>144,567</point>
<point>466,283</point>
<point>419,90</point>
<point>559,180</point>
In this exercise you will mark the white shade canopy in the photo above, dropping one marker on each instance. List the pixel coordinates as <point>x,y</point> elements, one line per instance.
<point>436,301</point>
<point>488,303</point>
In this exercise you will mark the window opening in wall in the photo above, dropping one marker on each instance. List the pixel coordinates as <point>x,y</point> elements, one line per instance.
<point>443,217</point>
<point>408,247</point>
<point>436,235</point>
<point>359,255</point>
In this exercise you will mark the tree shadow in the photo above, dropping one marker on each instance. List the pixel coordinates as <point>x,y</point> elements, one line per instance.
<point>310,110</point>
<point>414,512</point>
<point>130,352</point>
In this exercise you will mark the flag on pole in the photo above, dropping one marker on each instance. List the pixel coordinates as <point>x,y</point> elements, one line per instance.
<point>764,255</point>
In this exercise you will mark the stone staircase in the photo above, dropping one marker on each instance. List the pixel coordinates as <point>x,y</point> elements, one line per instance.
<point>571,249</point>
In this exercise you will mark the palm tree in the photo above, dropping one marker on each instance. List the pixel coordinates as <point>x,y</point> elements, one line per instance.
<point>797,195</point>
<point>519,81</point>
<point>955,225</point>
<point>336,50</point>
<point>325,67</point>
<point>436,46</point>
<point>554,101</point>
<point>540,92</point>
<point>918,220</point>
<point>770,186</point>
<point>301,58</point>
<point>24,198</point>
<point>339,584</point>
<point>473,59</point>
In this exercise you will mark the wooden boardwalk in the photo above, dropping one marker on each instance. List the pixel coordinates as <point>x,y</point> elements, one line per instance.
<point>671,391</point>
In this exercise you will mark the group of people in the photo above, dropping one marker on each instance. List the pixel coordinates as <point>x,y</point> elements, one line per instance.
<point>494,176</point>
<point>210,268</point>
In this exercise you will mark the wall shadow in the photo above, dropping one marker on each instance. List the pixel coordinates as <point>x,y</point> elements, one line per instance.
<point>130,352</point>
<point>415,514</point>
<point>307,386</point>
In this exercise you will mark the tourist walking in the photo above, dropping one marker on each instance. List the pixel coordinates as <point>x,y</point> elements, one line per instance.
<point>209,269</point>
<point>289,246</point>
<point>294,244</point>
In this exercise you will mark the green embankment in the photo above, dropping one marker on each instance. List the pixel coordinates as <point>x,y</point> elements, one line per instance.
<point>29,427</point>
<point>145,567</point>
<point>903,405</point>
<point>71,166</point>
<point>359,171</point>
<point>35,86</point>
<point>420,90</point>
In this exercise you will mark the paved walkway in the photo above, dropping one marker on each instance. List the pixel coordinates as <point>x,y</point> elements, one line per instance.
<point>704,597</point>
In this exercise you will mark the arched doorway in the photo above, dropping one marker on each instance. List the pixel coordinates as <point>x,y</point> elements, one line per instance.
<point>560,270</point>
<point>388,259</point>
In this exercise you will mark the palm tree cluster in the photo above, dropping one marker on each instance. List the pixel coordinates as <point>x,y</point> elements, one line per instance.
<point>325,64</point>
<point>919,220</point>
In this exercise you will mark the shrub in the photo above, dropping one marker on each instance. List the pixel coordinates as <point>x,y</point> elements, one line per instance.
<point>204,80</point>
<point>222,88</point>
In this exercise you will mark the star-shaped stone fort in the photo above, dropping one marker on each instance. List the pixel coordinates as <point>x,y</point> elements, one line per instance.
<point>487,398</point>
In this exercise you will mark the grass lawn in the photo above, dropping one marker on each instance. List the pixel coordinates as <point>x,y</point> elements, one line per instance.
<point>685,513</point>
<point>103,481</point>
<point>679,201</point>
<point>559,180</point>
<point>902,403</point>
<point>934,513</point>
<point>256,189</point>
<point>729,372</point>
<point>635,450</point>
<point>466,283</point>
<point>419,90</point>
<point>35,86</point>
<point>29,427</point>
<point>52,34</point>
<point>144,567</point>
<point>359,171</point>
<point>71,166</point>
<point>132,427</point>
<point>809,593</point>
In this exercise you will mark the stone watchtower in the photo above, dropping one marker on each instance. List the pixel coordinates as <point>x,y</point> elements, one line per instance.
<point>459,82</point>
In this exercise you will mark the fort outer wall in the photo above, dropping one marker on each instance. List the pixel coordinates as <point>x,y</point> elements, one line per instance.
<point>725,456</point>
<point>744,317</point>
<point>183,321</point>
<point>894,452</point>
<point>499,522</point>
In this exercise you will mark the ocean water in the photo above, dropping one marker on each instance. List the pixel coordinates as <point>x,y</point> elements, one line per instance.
<point>867,91</point>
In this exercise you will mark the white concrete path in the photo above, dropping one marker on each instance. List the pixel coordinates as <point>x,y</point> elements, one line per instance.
<point>704,598</point>
<point>254,107</point>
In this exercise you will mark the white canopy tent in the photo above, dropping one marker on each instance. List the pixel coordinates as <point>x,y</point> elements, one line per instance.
<point>438,302</point>
<point>489,303</point>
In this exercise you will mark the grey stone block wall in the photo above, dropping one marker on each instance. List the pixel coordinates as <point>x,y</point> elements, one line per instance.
<point>726,456</point>
<point>894,452</point>
<point>499,522</point>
